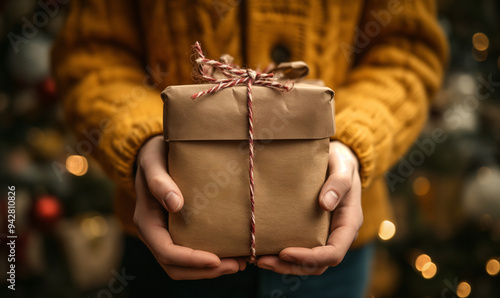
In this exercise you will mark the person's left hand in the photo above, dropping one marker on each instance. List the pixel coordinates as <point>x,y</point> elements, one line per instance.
<point>340,194</point>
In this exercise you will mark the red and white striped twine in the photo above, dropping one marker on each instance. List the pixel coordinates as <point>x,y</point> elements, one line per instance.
<point>235,76</point>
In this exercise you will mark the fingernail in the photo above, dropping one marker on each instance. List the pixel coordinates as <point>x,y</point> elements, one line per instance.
<point>265,266</point>
<point>330,199</point>
<point>288,258</point>
<point>230,271</point>
<point>242,266</point>
<point>212,265</point>
<point>172,201</point>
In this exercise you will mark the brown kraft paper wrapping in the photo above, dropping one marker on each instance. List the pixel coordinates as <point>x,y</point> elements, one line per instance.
<point>208,159</point>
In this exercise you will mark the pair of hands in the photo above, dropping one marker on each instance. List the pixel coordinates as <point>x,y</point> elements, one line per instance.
<point>157,192</point>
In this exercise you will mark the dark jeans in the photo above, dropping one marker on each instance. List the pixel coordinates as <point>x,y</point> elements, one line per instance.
<point>349,279</point>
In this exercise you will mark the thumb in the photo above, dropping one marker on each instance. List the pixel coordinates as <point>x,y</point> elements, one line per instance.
<point>342,165</point>
<point>335,188</point>
<point>153,165</point>
<point>164,189</point>
<point>337,185</point>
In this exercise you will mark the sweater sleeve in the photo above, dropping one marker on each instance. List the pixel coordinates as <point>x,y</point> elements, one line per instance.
<point>108,100</point>
<point>383,103</point>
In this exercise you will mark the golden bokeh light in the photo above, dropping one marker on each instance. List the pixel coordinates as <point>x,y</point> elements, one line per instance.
<point>421,186</point>
<point>421,261</point>
<point>492,267</point>
<point>386,230</point>
<point>480,41</point>
<point>94,226</point>
<point>429,270</point>
<point>77,165</point>
<point>463,289</point>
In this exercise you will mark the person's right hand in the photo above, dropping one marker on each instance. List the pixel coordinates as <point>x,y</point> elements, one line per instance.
<point>157,192</point>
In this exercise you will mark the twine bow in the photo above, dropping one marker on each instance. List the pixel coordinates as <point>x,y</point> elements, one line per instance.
<point>233,76</point>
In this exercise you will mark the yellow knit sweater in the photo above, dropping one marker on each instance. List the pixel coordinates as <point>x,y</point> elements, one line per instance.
<point>383,58</point>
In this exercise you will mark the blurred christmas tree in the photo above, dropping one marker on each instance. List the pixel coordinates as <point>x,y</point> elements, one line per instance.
<point>446,189</point>
<point>62,196</point>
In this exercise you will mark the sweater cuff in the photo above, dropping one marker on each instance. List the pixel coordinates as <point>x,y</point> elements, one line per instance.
<point>359,138</point>
<point>126,150</point>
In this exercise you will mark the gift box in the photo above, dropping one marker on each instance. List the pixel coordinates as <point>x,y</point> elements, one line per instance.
<point>208,158</point>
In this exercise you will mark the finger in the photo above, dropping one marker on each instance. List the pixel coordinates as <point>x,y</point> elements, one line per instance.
<point>227,266</point>
<point>154,166</point>
<point>328,255</point>
<point>346,221</point>
<point>331,254</point>
<point>279,266</point>
<point>336,187</point>
<point>242,261</point>
<point>342,167</point>
<point>150,221</point>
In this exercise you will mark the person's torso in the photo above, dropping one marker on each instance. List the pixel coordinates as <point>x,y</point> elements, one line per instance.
<point>255,33</point>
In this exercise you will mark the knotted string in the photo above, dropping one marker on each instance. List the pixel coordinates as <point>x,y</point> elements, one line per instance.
<point>234,76</point>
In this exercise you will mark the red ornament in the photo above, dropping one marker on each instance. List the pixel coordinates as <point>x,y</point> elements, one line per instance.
<point>47,211</point>
<point>47,90</point>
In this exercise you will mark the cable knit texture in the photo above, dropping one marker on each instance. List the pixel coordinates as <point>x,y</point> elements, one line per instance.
<point>383,58</point>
